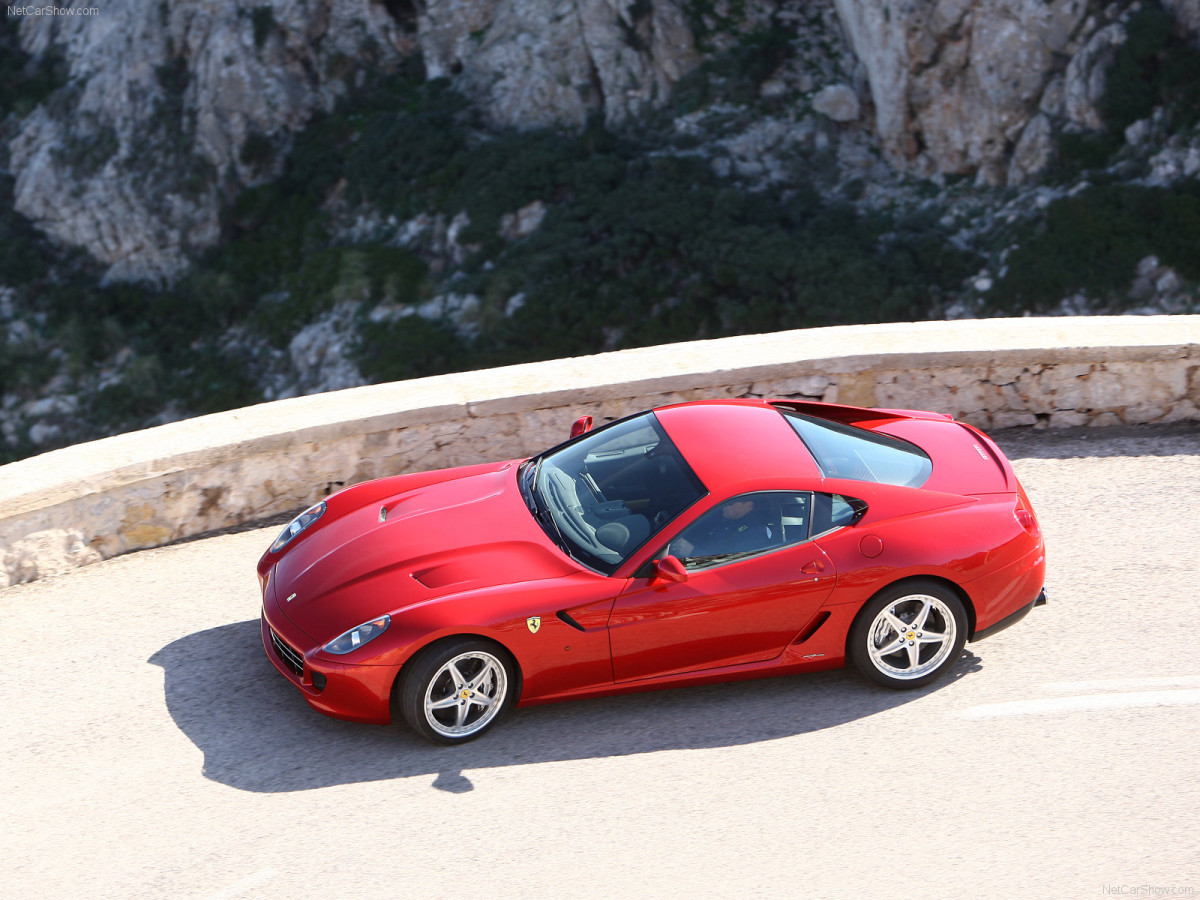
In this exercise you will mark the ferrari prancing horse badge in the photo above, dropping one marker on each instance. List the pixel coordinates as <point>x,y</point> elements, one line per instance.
<point>534,623</point>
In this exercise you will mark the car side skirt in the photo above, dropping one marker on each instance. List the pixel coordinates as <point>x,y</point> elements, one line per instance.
<point>813,650</point>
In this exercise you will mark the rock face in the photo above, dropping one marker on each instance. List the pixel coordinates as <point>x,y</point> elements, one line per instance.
<point>542,62</point>
<point>43,554</point>
<point>131,157</point>
<point>956,82</point>
<point>171,108</point>
<point>1085,77</point>
<point>838,101</point>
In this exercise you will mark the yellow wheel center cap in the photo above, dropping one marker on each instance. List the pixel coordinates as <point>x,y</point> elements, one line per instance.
<point>911,635</point>
<point>465,694</point>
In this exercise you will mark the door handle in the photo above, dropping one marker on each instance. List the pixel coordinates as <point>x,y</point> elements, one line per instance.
<point>815,567</point>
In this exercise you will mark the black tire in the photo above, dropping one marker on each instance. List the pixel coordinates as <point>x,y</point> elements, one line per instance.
<point>894,641</point>
<point>447,710</point>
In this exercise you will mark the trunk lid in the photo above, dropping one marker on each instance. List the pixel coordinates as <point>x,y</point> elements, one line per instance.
<point>965,461</point>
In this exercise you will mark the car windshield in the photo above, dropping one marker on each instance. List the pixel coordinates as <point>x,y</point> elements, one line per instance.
<point>843,451</point>
<point>602,496</point>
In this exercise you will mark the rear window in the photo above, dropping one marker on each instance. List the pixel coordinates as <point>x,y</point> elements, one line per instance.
<point>843,451</point>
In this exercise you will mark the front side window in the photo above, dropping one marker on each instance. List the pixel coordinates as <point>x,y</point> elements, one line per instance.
<point>843,451</point>
<point>744,526</point>
<point>602,496</point>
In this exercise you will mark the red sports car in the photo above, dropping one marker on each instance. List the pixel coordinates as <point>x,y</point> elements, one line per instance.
<point>705,541</point>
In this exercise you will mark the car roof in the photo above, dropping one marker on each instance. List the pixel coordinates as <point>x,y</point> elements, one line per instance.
<point>738,445</point>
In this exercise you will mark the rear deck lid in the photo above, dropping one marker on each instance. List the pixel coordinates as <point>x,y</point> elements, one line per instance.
<point>965,461</point>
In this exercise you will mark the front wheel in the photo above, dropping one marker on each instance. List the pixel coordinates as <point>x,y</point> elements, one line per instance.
<point>456,690</point>
<point>909,635</point>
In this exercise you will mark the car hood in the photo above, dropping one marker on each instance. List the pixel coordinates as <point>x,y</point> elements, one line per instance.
<point>458,535</point>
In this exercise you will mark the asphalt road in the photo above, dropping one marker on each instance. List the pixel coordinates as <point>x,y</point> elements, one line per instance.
<point>150,750</point>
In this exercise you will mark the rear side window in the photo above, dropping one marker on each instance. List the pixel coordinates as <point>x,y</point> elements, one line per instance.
<point>833,511</point>
<point>843,451</point>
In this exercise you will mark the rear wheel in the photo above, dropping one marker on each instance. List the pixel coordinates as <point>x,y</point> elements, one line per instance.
<point>455,690</point>
<point>909,635</point>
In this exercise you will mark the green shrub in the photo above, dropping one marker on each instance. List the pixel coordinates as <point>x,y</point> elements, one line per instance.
<point>1153,67</point>
<point>1092,242</point>
<point>208,379</point>
<point>262,19</point>
<point>24,253</point>
<point>410,347</point>
<point>363,274</point>
<point>1132,90</point>
<point>709,18</point>
<point>173,77</point>
<point>663,250</point>
<point>258,151</point>
<point>1080,152</point>
<point>394,149</point>
<point>736,75</point>
<point>87,153</point>
<point>27,80</point>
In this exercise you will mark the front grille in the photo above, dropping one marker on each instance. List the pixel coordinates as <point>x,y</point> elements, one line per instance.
<point>290,656</point>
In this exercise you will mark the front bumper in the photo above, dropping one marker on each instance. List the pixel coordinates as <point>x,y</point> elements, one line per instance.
<point>356,693</point>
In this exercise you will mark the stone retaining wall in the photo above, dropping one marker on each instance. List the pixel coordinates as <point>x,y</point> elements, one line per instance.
<point>75,506</point>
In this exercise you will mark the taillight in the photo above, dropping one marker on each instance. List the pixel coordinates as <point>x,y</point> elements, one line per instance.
<point>1025,515</point>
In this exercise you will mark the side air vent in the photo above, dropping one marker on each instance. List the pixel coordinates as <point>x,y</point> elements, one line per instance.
<point>818,620</point>
<point>565,616</point>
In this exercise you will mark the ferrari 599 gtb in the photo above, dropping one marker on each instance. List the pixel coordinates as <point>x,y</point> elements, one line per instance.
<point>706,541</point>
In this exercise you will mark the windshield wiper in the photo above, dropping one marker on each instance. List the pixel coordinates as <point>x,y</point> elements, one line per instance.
<point>529,486</point>
<point>547,516</point>
<point>541,512</point>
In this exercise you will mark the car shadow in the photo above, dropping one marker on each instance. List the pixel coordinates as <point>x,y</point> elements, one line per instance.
<point>1108,442</point>
<point>258,734</point>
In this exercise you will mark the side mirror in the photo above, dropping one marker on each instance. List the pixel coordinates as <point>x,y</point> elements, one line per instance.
<point>582,425</point>
<point>669,568</point>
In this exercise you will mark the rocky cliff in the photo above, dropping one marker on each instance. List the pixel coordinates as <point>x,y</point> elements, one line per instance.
<point>168,109</point>
<point>130,158</point>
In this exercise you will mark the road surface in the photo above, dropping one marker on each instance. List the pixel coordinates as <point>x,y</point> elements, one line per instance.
<point>150,750</point>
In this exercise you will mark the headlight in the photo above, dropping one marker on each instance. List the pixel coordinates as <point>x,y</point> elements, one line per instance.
<point>297,525</point>
<point>356,637</point>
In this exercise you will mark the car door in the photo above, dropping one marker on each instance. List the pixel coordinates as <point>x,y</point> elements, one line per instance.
<point>739,607</point>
